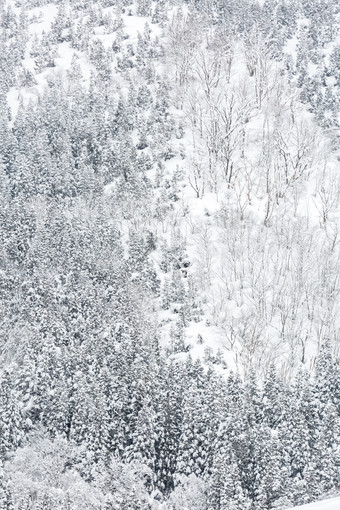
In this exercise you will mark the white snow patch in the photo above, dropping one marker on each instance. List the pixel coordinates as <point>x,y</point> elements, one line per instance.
<point>327,504</point>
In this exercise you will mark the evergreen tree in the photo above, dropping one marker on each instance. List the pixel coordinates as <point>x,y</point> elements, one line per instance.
<point>324,375</point>
<point>294,436</point>
<point>169,426</point>
<point>143,440</point>
<point>193,443</point>
<point>327,449</point>
<point>10,418</point>
<point>273,398</point>
<point>5,495</point>
<point>271,474</point>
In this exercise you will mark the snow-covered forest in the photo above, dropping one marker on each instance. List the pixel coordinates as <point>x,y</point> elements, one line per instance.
<point>169,254</point>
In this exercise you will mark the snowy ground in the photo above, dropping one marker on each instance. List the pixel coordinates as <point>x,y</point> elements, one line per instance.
<point>327,504</point>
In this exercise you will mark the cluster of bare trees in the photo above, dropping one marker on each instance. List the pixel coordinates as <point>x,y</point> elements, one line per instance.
<point>273,292</point>
<point>268,268</point>
<point>245,123</point>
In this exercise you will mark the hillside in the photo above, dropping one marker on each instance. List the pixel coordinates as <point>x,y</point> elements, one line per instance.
<point>328,504</point>
<point>169,254</point>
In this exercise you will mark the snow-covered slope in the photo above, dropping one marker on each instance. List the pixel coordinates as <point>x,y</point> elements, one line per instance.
<point>327,504</point>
